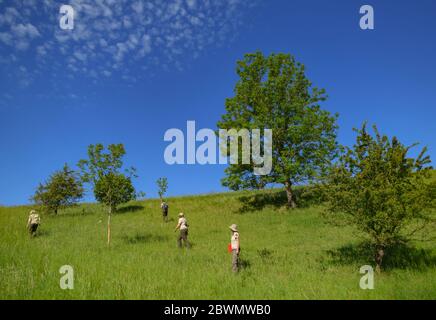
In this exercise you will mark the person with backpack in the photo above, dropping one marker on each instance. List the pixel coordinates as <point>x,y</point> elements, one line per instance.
<point>33,222</point>
<point>164,207</point>
<point>182,225</point>
<point>235,247</point>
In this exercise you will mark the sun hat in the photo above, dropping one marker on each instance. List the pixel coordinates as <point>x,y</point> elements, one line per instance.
<point>181,214</point>
<point>32,211</point>
<point>234,228</point>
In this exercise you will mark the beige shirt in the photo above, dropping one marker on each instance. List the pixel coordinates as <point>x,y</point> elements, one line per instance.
<point>34,219</point>
<point>235,240</point>
<point>183,223</point>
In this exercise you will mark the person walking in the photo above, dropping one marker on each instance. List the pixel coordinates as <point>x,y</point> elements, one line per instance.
<point>164,207</point>
<point>235,246</point>
<point>182,225</point>
<point>33,222</point>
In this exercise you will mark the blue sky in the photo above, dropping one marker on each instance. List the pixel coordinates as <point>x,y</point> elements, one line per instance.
<point>130,70</point>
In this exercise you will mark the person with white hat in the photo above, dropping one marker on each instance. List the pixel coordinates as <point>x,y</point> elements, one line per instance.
<point>182,225</point>
<point>33,222</point>
<point>235,247</point>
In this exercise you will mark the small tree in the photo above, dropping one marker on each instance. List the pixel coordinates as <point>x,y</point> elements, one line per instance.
<point>102,171</point>
<point>162,184</point>
<point>112,190</point>
<point>63,189</point>
<point>140,195</point>
<point>274,93</point>
<point>381,190</point>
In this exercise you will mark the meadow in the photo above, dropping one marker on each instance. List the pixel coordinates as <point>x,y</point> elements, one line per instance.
<point>285,254</point>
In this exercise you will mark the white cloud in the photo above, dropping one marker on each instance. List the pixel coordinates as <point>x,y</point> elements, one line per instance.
<point>138,7</point>
<point>146,45</point>
<point>119,36</point>
<point>6,38</point>
<point>127,23</point>
<point>80,56</point>
<point>25,30</point>
<point>9,16</point>
<point>191,3</point>
<point>174,7</point>
<point>22,44</point>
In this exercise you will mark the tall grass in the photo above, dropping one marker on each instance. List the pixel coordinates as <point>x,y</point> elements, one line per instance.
<point>285,255</point>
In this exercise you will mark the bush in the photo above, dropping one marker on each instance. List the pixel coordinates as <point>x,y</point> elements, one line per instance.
<point>382,191</point>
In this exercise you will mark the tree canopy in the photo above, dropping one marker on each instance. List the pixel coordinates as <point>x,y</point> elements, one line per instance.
<point>162,184</point>
<point>63,189</point>
<point>103,170</point>
<point>274,93</point>
<point>114,189</point>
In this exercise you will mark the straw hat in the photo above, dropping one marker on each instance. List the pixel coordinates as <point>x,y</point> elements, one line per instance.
<point>234,228</point>
<point>32,211</point>
<point>181,214</point>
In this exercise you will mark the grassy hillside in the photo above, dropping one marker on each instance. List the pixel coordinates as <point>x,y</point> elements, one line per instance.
<point>285,254</point>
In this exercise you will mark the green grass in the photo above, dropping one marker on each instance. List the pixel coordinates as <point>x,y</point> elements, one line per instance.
<point>285,254</point>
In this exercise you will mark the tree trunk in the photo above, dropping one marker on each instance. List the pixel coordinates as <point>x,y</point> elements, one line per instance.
<point>109,226</point>
<point>291,201</point>
<point>379,258</point>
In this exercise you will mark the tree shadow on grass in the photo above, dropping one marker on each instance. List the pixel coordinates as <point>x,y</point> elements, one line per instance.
<point>42,233</point>
<point>262,200</point>
<point>168,220</point>
<point>129,208</point>
<point>304,197</point>
<point>144,238</point>
<point>266,255</point>
<point>73,211</point>
<point>244,264</point>
<point>399,256</point>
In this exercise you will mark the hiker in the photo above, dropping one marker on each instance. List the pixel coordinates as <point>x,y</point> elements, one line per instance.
<point>182,225</point>
<point>164,207</point>
<point>33,222</point>
<point>234,242</point>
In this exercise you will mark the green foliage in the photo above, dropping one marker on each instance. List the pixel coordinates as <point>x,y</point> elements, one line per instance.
<point>381,190</point>
<point>162,184</point>
<point>114,189</point>
<point>273,92</point>
<point>100,163</point>
<point>61,190</point>
<point>141,195</point>
<point>102,170</point>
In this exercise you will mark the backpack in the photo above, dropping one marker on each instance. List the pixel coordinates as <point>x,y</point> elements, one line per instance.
<point>35,219</point>
<point>186,223</point>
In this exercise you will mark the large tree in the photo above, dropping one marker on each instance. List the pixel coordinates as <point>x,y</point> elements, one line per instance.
<point>102,170</point>
<point>377,187</point>
<point>274,93</point>
<point>62,189</point>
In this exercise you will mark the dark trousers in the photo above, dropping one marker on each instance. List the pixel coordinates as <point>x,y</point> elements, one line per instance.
<point>165,215</point>
<point>183,236</point>
<point>32,229</point>
<point>235,260</point>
